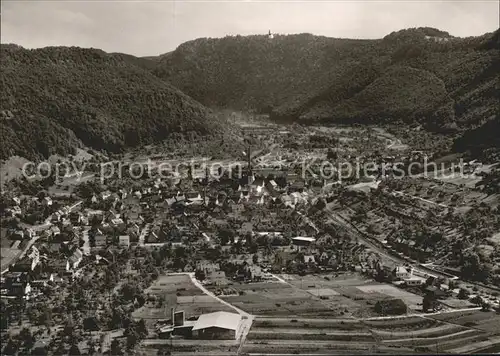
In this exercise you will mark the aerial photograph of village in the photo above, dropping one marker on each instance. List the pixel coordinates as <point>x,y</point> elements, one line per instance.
<point>257,194</point>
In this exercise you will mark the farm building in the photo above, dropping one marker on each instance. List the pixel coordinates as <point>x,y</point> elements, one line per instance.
<point>218,325</point>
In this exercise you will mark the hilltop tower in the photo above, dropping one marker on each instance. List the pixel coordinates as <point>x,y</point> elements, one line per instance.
<point>270,35</point>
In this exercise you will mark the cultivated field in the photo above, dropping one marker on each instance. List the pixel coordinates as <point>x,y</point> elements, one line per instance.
<point>396,335</point>
<point>315,296</point>
<point>410,299</point>
<point>178,292</point>
<point>277,299</point>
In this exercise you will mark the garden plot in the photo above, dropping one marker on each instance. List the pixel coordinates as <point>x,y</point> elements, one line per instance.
<point>346,298</point>
<point>448,339</point>
<point>332,281</point>
<point>326,347</point>
<point>338,324</point>
<point>176,284</point>
<point>308,334</point>
<point>411,300</point>
<point>404,323</point>
<point>177,291</point>
<point>277,299</point>
<point>322,292</point>
<point>440,330</point>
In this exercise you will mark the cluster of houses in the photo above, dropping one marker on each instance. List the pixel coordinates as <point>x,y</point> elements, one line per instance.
<point>241,270</point>
<point>150,216</point>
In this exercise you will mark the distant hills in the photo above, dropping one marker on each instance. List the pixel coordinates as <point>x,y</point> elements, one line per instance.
<point>419,75</point>
<point>55,99</point>
<point>74,96</point>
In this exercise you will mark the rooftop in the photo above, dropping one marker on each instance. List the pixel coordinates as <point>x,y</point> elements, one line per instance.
<point>304,238</point>
<point>223,320</point>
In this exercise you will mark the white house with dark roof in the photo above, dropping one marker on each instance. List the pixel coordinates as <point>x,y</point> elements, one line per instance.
<point>401,272</point>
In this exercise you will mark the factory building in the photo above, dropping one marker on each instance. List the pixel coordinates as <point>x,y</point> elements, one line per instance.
<point>218,325</point>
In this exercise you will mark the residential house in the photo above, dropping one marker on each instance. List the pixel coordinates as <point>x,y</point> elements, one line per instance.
<point>246,228</point>
<point>47,201</point>
<point>100,239</point>
<point>401,273</point>
<point>13,211</point>
<point>118,223</point>
<point>76,217</point>
<point>105,195</point>
<point>18,235</point>
<point>54,231</point>
<point>57,217</point>
<point>207,267</point>
<point>413,281</point>
<point>74,260</point>
<point>255,273</point>
<point>218,278</point>
<point>16,284</point>
<point>309,259</point>
<point>124,241</point>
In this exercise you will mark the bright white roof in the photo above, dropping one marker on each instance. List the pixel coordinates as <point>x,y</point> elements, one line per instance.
<point>223,320</point>
<point>304,238</point>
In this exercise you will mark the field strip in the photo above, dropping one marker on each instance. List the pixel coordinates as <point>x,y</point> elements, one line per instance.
<point>289,354</point>
<point>476,346</point>
<point>363,345</point>
<point>308,320</point>
<point>431,339</point>
<point>422,315</point>
<point>421,332</point>
<point>314,331</point>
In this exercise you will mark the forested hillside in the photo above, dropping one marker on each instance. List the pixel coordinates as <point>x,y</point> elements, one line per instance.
<point>55,99</point>
<point>419,75</point>
<point>483,141</point>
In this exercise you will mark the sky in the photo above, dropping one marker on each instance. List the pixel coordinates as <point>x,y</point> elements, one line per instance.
<point>144,28</point>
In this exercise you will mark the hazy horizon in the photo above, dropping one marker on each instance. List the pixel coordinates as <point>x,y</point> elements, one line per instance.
<point>148,28</point>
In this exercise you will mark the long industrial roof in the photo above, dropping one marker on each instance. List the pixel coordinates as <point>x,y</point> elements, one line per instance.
<point>223,320</point>
<point>304,238</point>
